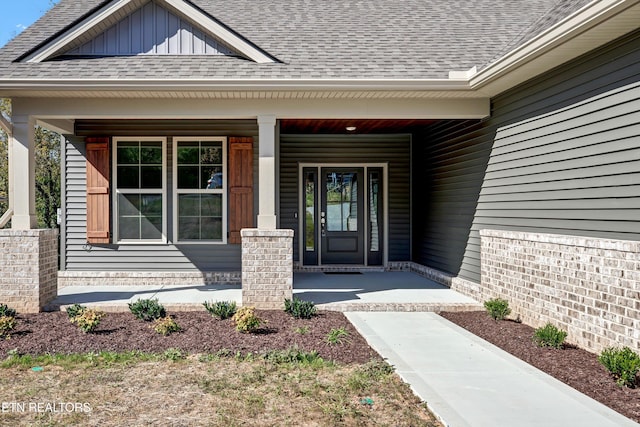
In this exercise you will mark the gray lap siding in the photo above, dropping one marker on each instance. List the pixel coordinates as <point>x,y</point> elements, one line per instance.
<point>559,155</point>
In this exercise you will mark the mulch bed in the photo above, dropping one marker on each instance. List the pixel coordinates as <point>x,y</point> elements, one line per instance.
<point>201,333</point>
<point>574,366</point>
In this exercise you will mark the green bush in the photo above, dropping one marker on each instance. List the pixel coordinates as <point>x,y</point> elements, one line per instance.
<point>300,309</point>
<point>549,336</point>
<point>246,320</point>
<point>165,326</point>
<point>622,363</point>
<point>221,309</point>
<point>7,311</point>
<point>75,310</point>
<point>147,309</point>
<point>7,324</point>
<point>88,320</point>
<point>498,308</point>
<point>337,336</point>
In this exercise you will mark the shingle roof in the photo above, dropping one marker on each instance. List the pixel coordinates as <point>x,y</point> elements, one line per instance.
<point>312,39</point>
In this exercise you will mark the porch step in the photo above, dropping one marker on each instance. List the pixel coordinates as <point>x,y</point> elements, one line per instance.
<point>400,307</point>
<point>341,307</point>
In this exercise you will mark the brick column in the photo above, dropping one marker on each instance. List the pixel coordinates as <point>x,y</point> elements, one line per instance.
<point>28,268</point>
<point>267,267</point>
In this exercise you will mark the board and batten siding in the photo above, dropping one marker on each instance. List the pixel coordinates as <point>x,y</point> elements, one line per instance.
<point>357,149</point>
<point>151,29</point>
<point>142,257</point>
<point>560,154</point>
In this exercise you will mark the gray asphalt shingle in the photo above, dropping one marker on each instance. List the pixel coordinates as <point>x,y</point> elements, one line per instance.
<point>354,39</point>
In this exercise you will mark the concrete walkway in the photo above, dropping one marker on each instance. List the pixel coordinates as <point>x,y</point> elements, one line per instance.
<point>471,383</point>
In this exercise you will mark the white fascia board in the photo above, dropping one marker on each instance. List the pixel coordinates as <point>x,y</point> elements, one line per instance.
<point>617,17</point>
<point>221,32</point>
<point>235,84</point>
<point>76,31</point>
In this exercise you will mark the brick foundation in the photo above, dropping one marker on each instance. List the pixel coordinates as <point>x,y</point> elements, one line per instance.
<point>28,268</point>
<point>267,267</point>
<point>589,287</point>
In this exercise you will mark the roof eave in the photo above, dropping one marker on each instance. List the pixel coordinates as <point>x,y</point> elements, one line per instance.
<point>597,23</point>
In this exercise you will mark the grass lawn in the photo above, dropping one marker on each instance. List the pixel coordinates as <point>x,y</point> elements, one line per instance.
<point>285,388</point>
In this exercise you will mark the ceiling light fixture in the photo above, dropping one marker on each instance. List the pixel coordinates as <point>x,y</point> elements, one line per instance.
<point>350,128</point>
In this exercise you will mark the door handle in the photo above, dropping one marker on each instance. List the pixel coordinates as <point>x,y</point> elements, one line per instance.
<point>322,223</point>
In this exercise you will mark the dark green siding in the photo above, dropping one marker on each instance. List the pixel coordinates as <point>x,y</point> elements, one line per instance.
<point>391,149</point>
<point>560,154</point>
<point>156,257</point>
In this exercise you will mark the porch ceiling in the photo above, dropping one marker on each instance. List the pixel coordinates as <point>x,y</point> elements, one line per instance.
<point>363,126</point>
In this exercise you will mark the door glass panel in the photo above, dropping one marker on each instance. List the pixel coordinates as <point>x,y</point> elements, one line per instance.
<point>374,232</point>
<point>309,214</point>
<point>342,201</point>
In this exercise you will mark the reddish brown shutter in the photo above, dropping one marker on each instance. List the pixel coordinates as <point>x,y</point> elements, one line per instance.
<point>97,190</point>
<point>240,186</point>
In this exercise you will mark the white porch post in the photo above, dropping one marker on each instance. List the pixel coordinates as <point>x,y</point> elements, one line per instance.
<point>267,172</point>
<point>22,173</point>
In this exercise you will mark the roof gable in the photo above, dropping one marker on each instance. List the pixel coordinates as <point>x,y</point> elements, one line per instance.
<point>148,27</point>
<point>151,29</point>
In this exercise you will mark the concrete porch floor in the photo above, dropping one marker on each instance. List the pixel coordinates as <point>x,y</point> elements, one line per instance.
<point>367,291</point>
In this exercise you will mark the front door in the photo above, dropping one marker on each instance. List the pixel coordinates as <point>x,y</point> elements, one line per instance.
<point>342,215</point>
<point>343,210</point>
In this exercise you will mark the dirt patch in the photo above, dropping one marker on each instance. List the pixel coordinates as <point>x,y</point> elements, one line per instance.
<point>574,366</point>
<point>201,333</point>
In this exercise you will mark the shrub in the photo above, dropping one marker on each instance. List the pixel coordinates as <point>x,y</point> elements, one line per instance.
<point>300,309</point>
<point>221,309</point>
<point>246,319</point>
<point>337,336</point>
<point>549,336</point>
<point>147,309</point>
<point>75,310</point>
<point>498,308</point>
<point>622,363</point>
<point>7,324</point>
<point>165,326</point>
<point>7,311</point>
<point>88,320</point>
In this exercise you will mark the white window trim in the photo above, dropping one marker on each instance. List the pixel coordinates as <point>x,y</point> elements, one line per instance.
<point>163,190</point>
<point>222,191</point>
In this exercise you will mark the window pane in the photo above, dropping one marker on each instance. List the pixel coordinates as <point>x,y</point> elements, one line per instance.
<point>128,177</point>
<point>342,202</point>
<point>151,204</point>
<point>211,205</point>
<point>128,204</point>
<point>151,227</point>
<point>189,228</point>
<point>211,153</point>
<point>310,200</point>
<point>188,205</point>
<point>188,153</point>
<point>128,153</point>
<point>188,177</point>
<point>151,152</point>
<point>374,234</point>
<point>211,229</point>
<point>151,177</point>
<point>129,228</point>
<point>212,176</point>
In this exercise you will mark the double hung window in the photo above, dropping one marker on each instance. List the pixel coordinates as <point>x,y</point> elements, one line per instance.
<point>139,182</point>
<point>200,189</point>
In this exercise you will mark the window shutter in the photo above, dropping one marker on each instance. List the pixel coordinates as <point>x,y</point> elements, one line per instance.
<point>98,190</point>
<point>240,186</point>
